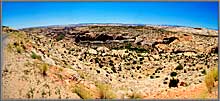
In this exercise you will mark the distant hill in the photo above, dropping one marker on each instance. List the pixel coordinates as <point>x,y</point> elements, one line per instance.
<point>109,24</point>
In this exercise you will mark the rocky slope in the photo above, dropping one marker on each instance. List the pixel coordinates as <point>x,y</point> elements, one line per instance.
<point>133,61</point>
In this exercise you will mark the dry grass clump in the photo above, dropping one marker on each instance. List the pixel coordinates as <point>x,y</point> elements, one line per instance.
<point>17,42</point>
<point>17,46</point>
<point>44,68</point>
<point>83,92</point>
<point>19,49</point>
<point>136,95</point>
<point>210,79</point>
<point>105,91</point>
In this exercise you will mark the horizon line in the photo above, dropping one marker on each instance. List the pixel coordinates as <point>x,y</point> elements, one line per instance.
<point>137,24</point>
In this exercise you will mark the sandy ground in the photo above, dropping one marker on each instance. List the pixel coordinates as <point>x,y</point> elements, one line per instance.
<point>21,79</point>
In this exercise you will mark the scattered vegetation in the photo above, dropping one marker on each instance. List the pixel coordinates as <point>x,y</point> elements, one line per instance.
<point>59,76</point>
<point>35,56</point>
<point>68,66</point>
<point>173,74</point>
<point>173,83</point>
<point>58,92</point>
<point>152,77</point>
<point>19,49</point>
<point>82,74</point>
<point>138,50</point>
<point>60,69</point>
<point>130,48</point>
<point>60,37</point>
<point>44,68</point>
<point>203,71</point>
<point>136,95</point>
<point>179,67</point>
<point>17,34</point>
<point>210,79</point>
<point>83,92</point>
<point>30,93</point>
<point>9,47</point>
<point>105,91</point>
<point>203,95</point>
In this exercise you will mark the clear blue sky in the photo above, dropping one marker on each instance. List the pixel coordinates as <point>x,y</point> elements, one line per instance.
<point>31,14</point>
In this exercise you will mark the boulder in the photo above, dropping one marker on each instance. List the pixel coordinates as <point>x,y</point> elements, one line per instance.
<point>162,47</point>
<point>119,37</point>
<point>92,51</point>
<point>212,49</point>
<point>187,37</point>
<point>156,56</point>
<point>138,40</point>
<point>189,54</point>
<point>91,35</point>
<point>102,49</point>
<point>121,53</point>
<point>48,60</point>
<point>169,40</point>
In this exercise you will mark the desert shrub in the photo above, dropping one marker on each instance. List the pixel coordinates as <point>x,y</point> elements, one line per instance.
<point>173,74</point>
<point>152,77</point>
<point>60,37</point>
<point>83,92</point>
<point>43,68</point>
<point>173,82</point>
<point>210,78</point>
<point>138,50</point>
<point>215,74</point>
<point>35,56</point>
<point>179,67</point>
<point>130,48</point>
<point>105,91</point>
<point>9,47</point>
<point>60,69</point>
<point>203,71</point>
<point>19,49</point>
<point>203,95</point>
<point>136,95</point>
<point>30,93</point>
<point>82,74</point>
<point>16,44</point>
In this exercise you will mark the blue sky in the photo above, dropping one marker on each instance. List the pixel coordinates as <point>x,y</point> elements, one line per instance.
<point>31,14</point>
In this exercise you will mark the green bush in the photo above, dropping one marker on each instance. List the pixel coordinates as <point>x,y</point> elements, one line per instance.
<point>35,56</point>
<point>172,74</point>
<point>179,67</point>
<point>60,37</point>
